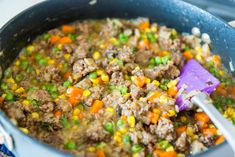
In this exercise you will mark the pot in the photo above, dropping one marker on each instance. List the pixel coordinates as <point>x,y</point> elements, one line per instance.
<point>49,14</point>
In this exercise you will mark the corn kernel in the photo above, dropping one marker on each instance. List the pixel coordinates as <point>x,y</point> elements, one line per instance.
<point>113,40</point>
<point>95,81</point>
<point>155,110</point>
<point>126,77</point>
<point>123,130</point>
<point>96,55</point>
<point>136,155</point>
<point>26,102</point>
<point>24,130</point>
<point>10,80</point>
<point>171,113</point>
<point>190,131</point>
<point>221,73</point>
<point>51,61</point>
<point>86,93</point>
<point>30,48</point>
<point>171,148</point>
<point>20,90</point>
<point>147,80</point>
<point>105,77</point>
<point>100,72</point>
<point>4,95</point>
<point>154,28</point>
<point>14,86</point>
<point>198,57</point>
<point>75,117</point>
<point>102,46</point>
<point>199,50</point>
<point>62,96</point>
<point>127,95</point>
<point>156,83</point>
<point>172,84</point>
<point>131,121</point>
<point>117,138</point>
<point>35,115</point>
<point>132,129</point>
<point>113,60</point>
<point>91,149</point>
<point>76,111</point>
<point>110,110</point>
<point>59,46</point>
<point>173,32</point>
<point>38,71</point>
<point>74,128</point>
<point>163,99</point>
<point>142,99</point>
<point>183,119</point>
<point>17,63</point>
<point>67,56</point>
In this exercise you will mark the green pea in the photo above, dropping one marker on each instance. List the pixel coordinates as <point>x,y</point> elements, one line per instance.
<point>149,155</point>
<point>19,77</point>
<point>134,49</point>
<point>81,106</point>
<point>123,38</point>
<point>158,60</point>
<point>151,37</point>
<point>93,75</point>
<point>126,139</point>
<point>55,50</point>
<point>120,123</point>
<point>46,36</point>
<point>35,103</point>
<point>165,59</point>
<point>72,36</point>
<point>64,122</point>
<point>42,62</point>
<point>4,86</point>
<point>24,64</point>
<point>109,127</point>
<point>70,145</point>
<point>76,122</point>
<point>136,148</point>
<point>67,84</point>
<point>8,73</point>
<point>164,144</point>
<point>163,87</point>
<point>123,90</point>
<point>38,56</point>
<point>151,61</point>
<point>54,94</point>
<point>9,96</point>
<point>120,62</point>
<point>30,70</point>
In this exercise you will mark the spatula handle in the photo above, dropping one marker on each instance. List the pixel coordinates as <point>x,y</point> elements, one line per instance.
<point>225,127</point>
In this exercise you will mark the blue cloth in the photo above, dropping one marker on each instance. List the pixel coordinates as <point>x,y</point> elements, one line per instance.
<point>5,152</point>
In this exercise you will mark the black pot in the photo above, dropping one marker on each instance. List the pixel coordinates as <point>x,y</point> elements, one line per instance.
<point>49,14</point>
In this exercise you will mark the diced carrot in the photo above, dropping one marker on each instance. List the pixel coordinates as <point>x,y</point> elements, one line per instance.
<point>65,40</point>
<point>96,106</point>
<point>144,44</point>
<point>139,81</point>
<point>100,153</point>
<point>219,140</point>
<point>165,115</point>
<point>209,131</point>
<point>124,118</point>
<point>144,25</point>
<point>188,55</point>
<point>202,125</point>
<point>58,114</point>
<point>68,29</point>
<point>221,90</point>
<point>1,100</point>
<point>74,95</point>
<point>54,39</point>
<point>80,115</point>
<point>181,129</point>
<point>172,91</point>
<point>153,117</point>
<point>162,153</point>
<point>67,74</point>
<point>216,59</point>
<point>153,96</point>
<point>201,116</point>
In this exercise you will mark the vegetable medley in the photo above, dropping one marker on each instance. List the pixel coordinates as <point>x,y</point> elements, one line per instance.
<point>108,87</point>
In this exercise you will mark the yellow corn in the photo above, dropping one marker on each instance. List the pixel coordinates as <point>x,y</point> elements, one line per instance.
<point>86,93</point>
<point>30,48</point>
<point>198,57</point>
<point>199,50</point>
<point>62,96</point>
<point>183,119</point>
<point>156,83</point>
<point>59,46</point>
<point>163,99</point>
<point>17,63</point>
<point>24,130</point>
<point>113,40</point>
<point>127,95</point>
<point>35,115</point>
<point>131,129</point>
<point>172,84</point>
<point>126,77</point>
<point>67,56</point>
<point>102,46</point>
<point>136,155</point>
<point>100,72</point>
<point>96,55</point>
<point>113,60</point>
<point>60,66</point>
<point>105,77</point>
<point>190,131</point>
<point>171,113</point>
<point>155,110</point>
<point>51,61</point>
<point>147,80</point>
<point>26,102</point>
<point>173,32</point>
<point>4,95</point>
<point>154,28</point>
<point>110,110</point>
<point>10,80</point>
<point>180,155</point>
<point>123,130</point>
<point>13,86</point>
<point>91,149</point>
<point>38,71</point>
<point>95,81</point>
<point>141,99</point>
<point>131,121</point>
<point>76,111</point>
<point>75,117</point>
<point>20,90</point>
<point>117,137</point>
<point>171,148</point>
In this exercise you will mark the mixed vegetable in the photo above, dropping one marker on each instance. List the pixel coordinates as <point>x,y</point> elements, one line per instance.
<point>108,87</point>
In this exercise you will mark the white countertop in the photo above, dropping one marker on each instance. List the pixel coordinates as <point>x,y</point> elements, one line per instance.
<point>10,8</point>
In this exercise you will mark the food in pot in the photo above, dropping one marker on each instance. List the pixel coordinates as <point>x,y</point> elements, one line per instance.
<point>108,88</point>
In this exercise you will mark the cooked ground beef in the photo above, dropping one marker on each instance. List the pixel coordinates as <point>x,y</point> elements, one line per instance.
<point>108,88</point>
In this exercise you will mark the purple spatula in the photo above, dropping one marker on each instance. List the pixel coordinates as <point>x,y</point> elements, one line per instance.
<point>195,84</point>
